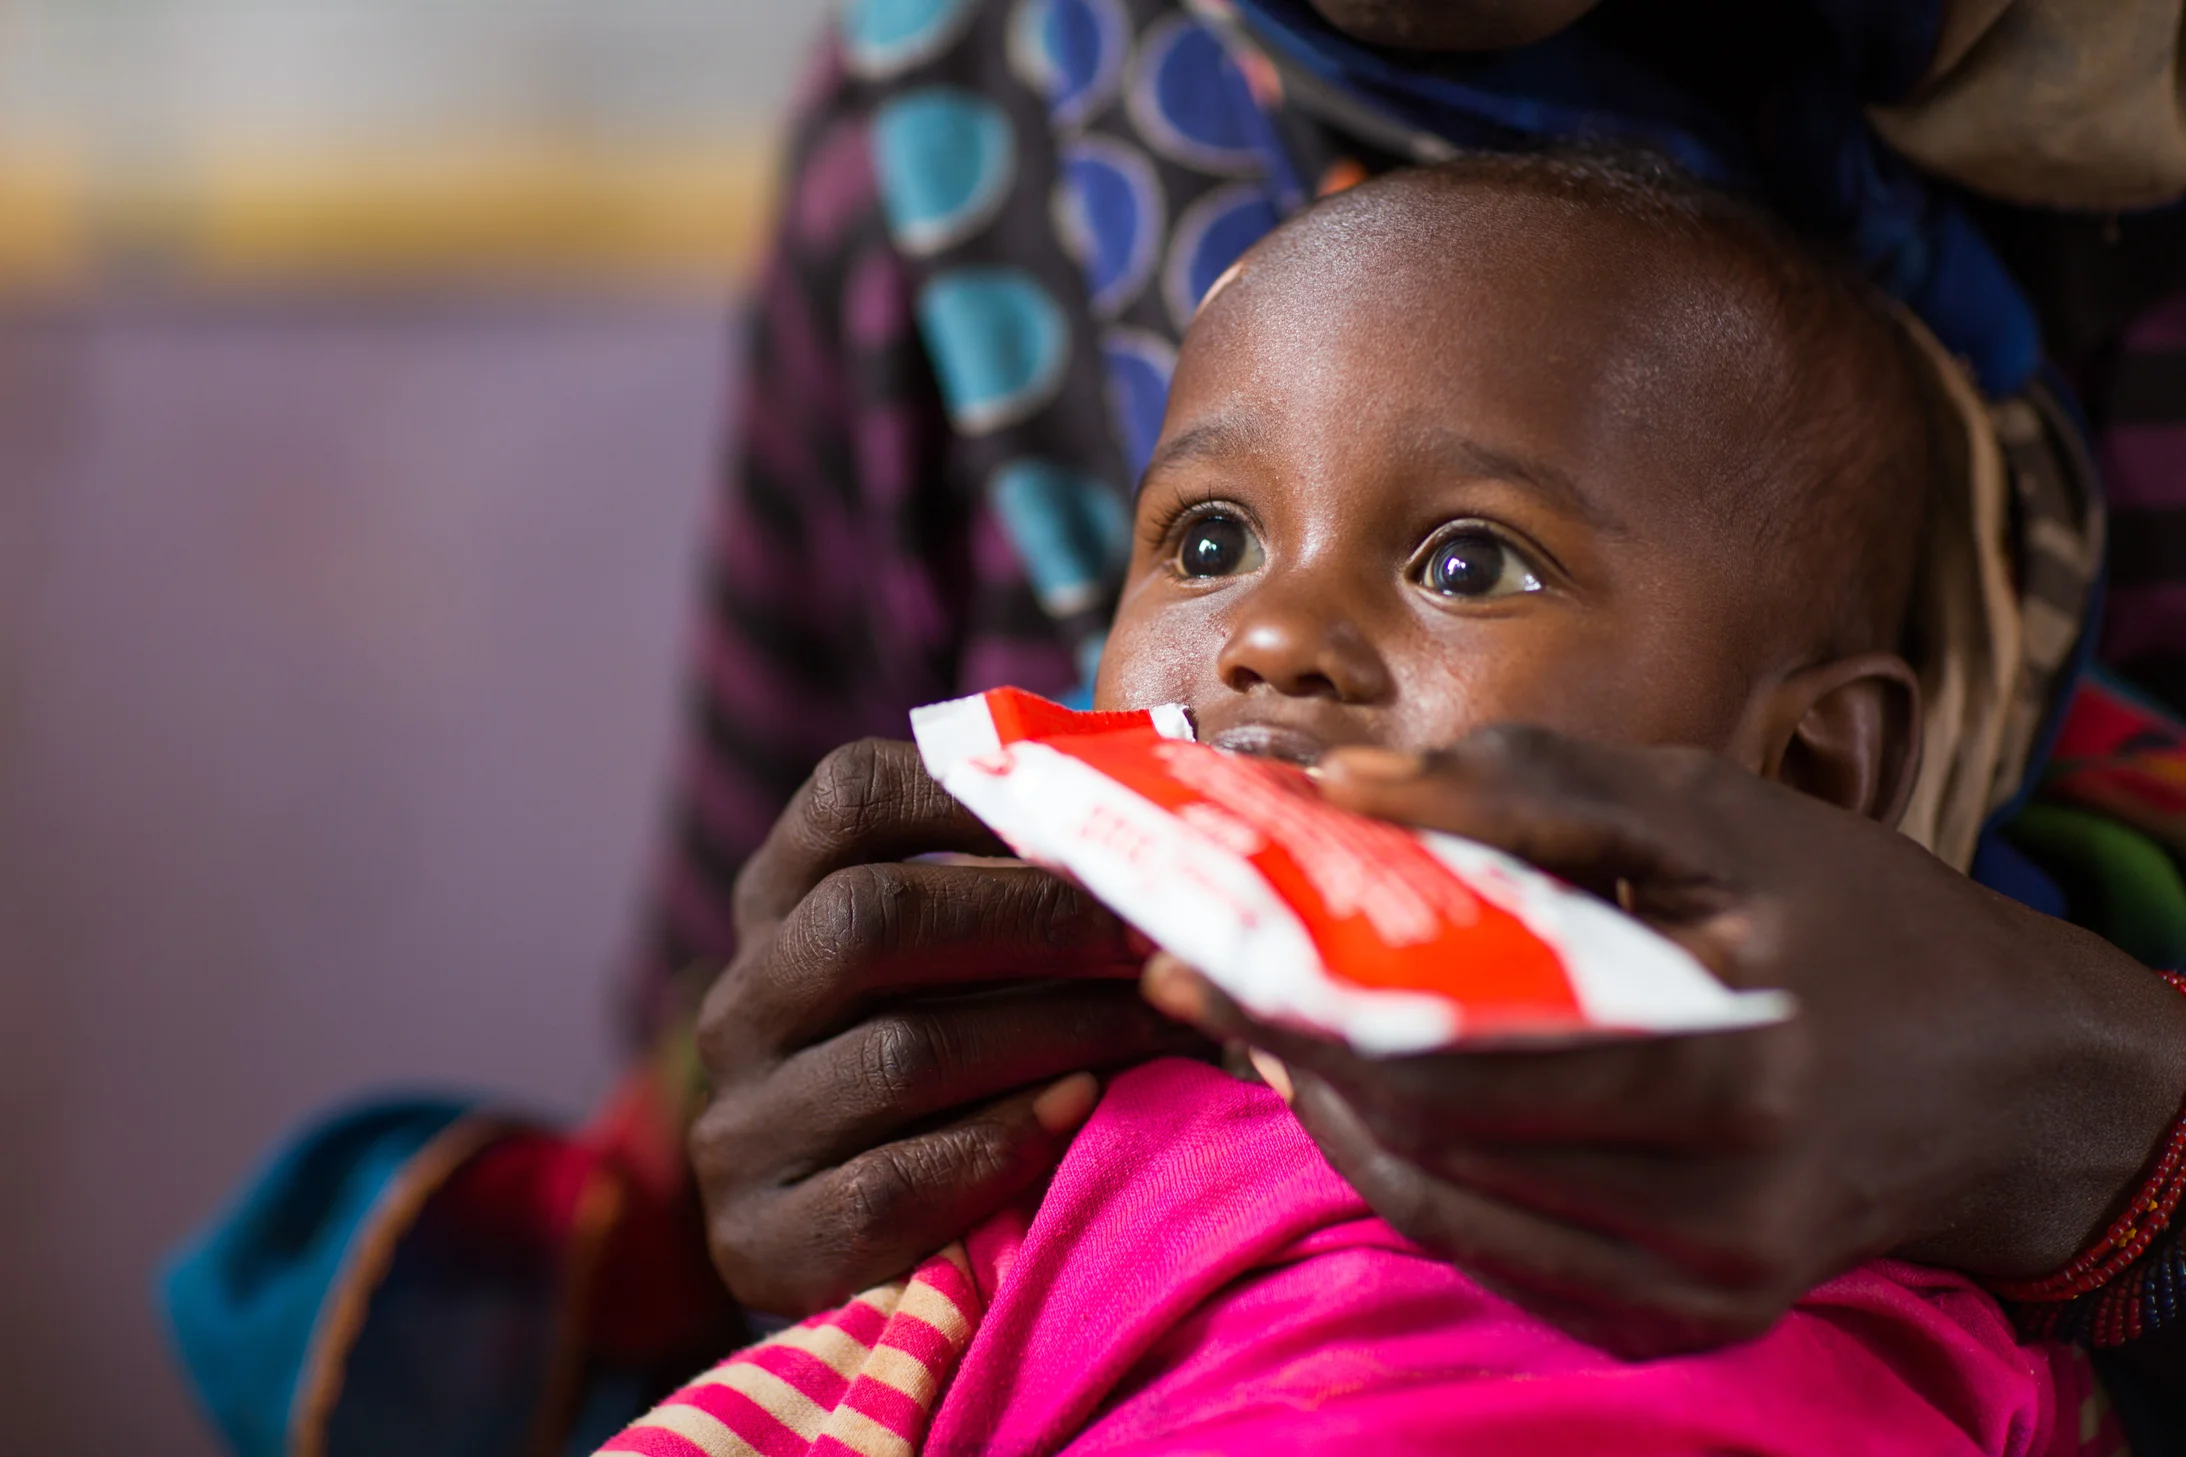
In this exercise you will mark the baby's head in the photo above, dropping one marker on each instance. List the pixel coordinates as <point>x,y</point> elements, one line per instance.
<point>1565,442</point>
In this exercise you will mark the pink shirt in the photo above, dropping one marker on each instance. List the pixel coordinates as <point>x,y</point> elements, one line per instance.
<point>1197,1279</point>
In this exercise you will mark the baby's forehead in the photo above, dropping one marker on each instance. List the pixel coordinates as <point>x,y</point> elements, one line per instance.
<point>1571,319</point>
<point>1422,236</point>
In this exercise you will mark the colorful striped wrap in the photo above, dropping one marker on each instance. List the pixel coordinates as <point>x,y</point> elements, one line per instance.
<point>858,1381</point>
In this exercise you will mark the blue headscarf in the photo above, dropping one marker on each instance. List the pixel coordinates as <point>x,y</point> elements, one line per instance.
<point>1807,149</point>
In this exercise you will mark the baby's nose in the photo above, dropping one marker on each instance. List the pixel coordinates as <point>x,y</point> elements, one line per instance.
<point>1302,647</point>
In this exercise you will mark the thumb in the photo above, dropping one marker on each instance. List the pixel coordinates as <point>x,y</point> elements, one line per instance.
<point>1632,825</point>
<point>1662,833</point>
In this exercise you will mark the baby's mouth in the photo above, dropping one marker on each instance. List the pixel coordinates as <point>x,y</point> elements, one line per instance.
<point>1270,741</point>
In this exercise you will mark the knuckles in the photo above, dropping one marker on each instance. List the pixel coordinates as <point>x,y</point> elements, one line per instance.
<point>850,918</point>
<point>854,792</point>
<point>884,1201</point>
<point>713,1143</point>
<point>784,1255</point>
<point>860,1223</point>
<point>854,788</point>
<point>899,1056</point>
<point>875,1193</point>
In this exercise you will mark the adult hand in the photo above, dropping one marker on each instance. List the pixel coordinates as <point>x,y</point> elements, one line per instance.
<point>1967,1083</point>
<point>884,1075</point>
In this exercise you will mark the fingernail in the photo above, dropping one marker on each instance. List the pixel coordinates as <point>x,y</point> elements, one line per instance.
<point>1067,1103</point>
<point>1365,761</point>
<point>1271,1070</point>
<point>1172,987</point>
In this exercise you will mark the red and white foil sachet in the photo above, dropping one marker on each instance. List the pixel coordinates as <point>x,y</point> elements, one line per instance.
<point>1394,940</point>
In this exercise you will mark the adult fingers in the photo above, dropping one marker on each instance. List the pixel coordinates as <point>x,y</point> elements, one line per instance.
<point>918,1059</point>
<point>804,1247</point>
<point>871,800</point>
<point>1607,1291</point>
<point>1590,813</point>
<point>1719,1093</point>
<point>871,930</point>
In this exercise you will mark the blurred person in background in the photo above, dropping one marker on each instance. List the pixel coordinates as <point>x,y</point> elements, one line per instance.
<point>997,219</point>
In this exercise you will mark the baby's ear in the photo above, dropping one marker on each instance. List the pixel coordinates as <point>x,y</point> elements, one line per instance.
<point>1848,732</point>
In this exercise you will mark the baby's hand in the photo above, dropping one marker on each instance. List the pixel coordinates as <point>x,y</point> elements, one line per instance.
<point>1968,1083</point>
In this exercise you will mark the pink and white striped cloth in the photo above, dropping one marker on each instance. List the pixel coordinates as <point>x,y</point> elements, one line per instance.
<point>859,1381</point>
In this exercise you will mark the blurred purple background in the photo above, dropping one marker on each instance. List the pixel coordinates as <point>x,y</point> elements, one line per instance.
<point>338,657</point>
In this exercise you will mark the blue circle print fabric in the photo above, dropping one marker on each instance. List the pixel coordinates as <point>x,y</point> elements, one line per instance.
<point>883,38</point>
<point>1139,364</point>
<point>1111,215</point>
<point>999,341</point>
<point>1191,103</point>
<point>1069,529</point>
<point>1213,233</point>
<point>1083,45</point>
<point>945,159</point>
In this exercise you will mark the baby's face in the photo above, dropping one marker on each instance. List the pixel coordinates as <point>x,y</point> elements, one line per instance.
<point>1399,496</point>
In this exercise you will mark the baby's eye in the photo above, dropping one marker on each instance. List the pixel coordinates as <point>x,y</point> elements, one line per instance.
<point>1217,546</point>
<point>1476,564</point>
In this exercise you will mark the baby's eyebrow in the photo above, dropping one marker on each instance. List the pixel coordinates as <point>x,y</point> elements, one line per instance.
<point>1434,445</point>
<point>1205,441</point>
<point>1447,447</point>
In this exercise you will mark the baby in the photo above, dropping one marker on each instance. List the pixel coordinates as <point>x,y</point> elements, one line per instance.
<point>1539,442</point>
<point>1514,439</point>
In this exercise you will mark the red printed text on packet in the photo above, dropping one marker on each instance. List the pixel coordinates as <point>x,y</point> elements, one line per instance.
<point>1392,939</point>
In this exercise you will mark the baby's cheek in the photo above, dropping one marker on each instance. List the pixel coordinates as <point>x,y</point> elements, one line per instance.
<point>1629,695</point>
<point>1152,657</point>
<point>1449,695</point>
<point>1543,671</point>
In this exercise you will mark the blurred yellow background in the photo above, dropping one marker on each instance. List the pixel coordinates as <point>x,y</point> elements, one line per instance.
<point>309,139</point>
<point>366,372</point>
